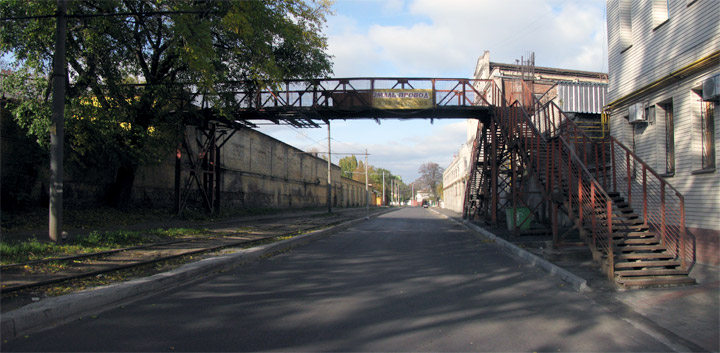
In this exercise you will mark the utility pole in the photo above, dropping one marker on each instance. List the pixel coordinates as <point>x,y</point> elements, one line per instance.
<point>329,181</point>
<point>57,130</point>
<point>383,197</point>
<point>413,193</point>
<point>392,191</point>
<point>367,191</point>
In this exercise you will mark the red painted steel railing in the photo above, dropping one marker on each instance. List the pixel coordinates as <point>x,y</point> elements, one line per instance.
<point>558,166</point>
<point>659,204</point>
<point>619,170</point>
<point>348,93</point>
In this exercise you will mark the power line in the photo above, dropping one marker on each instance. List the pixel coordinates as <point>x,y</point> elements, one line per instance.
<point>353,147</point>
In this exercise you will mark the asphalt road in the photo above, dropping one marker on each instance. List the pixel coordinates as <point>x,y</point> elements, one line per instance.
<point>406,281</point>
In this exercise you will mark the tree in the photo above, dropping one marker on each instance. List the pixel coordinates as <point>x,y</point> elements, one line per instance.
<point>348,164</point>
<point>359,172</point>
<point>431,178</point>
<point>135,65</point>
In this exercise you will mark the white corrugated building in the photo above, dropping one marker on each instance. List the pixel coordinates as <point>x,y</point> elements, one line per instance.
<point>664,61</point>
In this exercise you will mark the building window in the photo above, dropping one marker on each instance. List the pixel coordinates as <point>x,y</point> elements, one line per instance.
<point>659,12</point>
<point>707,129</point>
<point>625,24</point>
<point>669,138</point>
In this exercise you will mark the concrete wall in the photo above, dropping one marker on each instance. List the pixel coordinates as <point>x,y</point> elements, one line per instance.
<point>257,171</point>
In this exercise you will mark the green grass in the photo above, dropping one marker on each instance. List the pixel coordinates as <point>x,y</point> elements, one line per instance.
<point>33,249</point>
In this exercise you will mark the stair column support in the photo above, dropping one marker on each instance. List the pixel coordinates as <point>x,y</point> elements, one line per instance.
<point>645,200</point>
<point>551,168</point>
<point>629,181</point>
<point>555,232</point>
<point>611,255</point>
<point>513,190</point>
<point>537,152</point>
<point>663,222</point>
<point>612,168</point>
<point>493,174</point>
<point>569,186</point>
<point>683,235</point>
<point>581,211</point>
<point>598,164</point>
<point>594,219</point>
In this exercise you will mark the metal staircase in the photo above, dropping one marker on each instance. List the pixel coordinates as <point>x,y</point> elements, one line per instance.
<point>631,219</point>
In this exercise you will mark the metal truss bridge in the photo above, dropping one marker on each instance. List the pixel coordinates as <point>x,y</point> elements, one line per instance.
<point>528,155</point>
<point>302,103</point>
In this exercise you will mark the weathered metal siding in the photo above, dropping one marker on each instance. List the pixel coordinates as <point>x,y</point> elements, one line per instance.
<point>581,97</point>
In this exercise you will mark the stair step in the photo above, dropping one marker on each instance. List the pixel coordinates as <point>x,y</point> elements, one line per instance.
<point>637,264</point>
<point>655,281</point>
<point>637,247</point>
<point>631,228</point>
<point>632,234</point>
<point>653,272</point>
<point>643,241</point>
<point>630,222</point>
<point>641,256</point>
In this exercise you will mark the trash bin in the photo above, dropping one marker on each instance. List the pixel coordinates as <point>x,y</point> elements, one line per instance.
<point>520,214</point>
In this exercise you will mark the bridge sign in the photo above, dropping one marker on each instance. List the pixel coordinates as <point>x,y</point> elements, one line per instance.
<point>402,98</point>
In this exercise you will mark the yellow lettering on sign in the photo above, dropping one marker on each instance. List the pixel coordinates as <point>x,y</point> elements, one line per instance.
<point>402,99</point>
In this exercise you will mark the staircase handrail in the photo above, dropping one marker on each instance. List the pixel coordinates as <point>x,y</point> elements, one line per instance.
<point>670,223</point>
<point>497,97</point>
<point>468,186</point>
<point>673,235</point>
<point>586,183</point>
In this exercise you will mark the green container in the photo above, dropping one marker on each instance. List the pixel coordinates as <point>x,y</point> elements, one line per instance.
<point>520,214</point>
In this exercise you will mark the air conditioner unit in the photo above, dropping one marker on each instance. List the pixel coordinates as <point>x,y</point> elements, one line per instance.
<point>636,113</point>
<point>711,89</point>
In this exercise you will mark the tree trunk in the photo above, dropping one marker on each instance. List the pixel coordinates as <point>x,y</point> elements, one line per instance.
<point>121,190</point>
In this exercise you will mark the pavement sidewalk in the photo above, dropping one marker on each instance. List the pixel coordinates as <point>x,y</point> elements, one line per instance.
<point>687,316</point>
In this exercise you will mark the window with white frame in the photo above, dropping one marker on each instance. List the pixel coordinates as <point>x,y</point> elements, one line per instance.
<point>659,12</point>
<point>707,129</point>
<point>625,24</point>
<point>669,136</point>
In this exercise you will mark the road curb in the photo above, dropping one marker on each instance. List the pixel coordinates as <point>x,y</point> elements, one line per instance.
<point>58,310</point>
<point>578,283</point>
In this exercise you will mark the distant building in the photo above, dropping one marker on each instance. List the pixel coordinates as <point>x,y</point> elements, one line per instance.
<point>581,94</point>
<point>663,94</point>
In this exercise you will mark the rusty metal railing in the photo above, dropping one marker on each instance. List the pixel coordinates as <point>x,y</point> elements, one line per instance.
<point>557,165</point>
<point>660,205</point>
<point>617,169</point>
<point>348,93</point>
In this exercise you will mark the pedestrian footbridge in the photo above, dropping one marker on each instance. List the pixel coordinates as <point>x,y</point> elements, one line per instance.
<point>530,163</point>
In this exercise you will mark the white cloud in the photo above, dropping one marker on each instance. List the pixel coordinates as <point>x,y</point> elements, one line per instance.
<point>448,36</point>
<point>392,6</point>
<point>444,38</point>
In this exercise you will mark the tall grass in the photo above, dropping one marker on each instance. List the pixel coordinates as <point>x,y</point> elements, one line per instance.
<point>33,249</point>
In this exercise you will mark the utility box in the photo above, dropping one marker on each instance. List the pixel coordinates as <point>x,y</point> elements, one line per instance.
<point>711,89</point>
<point>521,213</point>
<point>637,113</point>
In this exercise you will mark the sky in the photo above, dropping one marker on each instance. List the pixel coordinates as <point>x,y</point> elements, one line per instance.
<point>442,38</point>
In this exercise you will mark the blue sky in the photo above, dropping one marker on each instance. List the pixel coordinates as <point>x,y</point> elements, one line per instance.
<point>442,38</point>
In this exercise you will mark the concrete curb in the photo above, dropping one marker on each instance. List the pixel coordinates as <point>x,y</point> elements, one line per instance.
<point>578,283</point>
<point>55,311</point>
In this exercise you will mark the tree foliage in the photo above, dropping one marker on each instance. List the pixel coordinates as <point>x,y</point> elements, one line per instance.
<point>133,65</point>
<point>431,178</point>
<point>348,165</point>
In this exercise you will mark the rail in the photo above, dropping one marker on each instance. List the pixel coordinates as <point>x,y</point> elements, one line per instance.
<point>556,164</point>
<point>660,205</point>
<point>619,170</point>
<point>351,93</point>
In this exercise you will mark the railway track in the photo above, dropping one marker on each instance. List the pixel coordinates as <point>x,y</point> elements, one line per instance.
<point>54,271</point>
